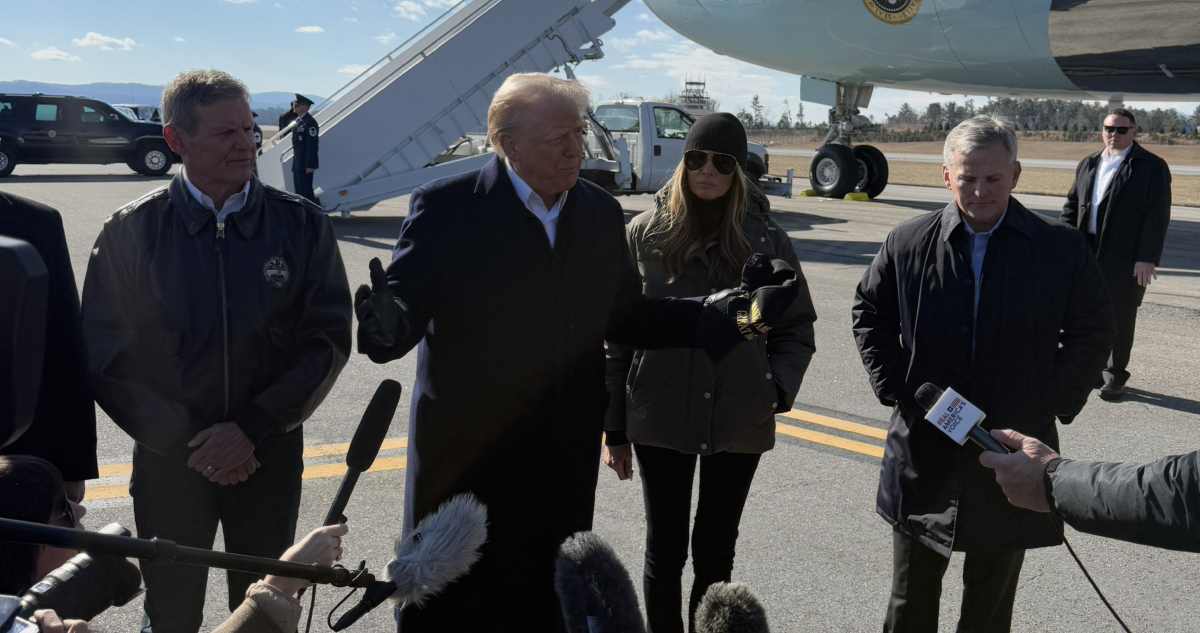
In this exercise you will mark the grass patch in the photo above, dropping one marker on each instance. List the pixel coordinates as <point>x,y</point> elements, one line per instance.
<point>1185,190</point>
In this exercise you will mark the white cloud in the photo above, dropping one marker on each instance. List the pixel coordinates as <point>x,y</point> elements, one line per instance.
<point>179,39</point>
<point>730,81</point>
<point>104,42</point>
<point>386,39</point>
<point>310,29</point>
<point>353,69</point>
<point>6,42</point>
<point>645,17</point>
<point>440,4</point>
<point>592,82</point>
<point>626,44</point>
<point>52,53</point>
<point>350,19</point>
<point>653,36</point>
<point>409,9</point>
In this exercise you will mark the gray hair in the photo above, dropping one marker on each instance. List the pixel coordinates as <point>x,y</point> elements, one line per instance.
<point>197,88</point>
<point>980,131</point>
<point>522,90</point>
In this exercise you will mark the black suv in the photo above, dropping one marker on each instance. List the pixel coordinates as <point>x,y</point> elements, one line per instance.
<point>43,129</point>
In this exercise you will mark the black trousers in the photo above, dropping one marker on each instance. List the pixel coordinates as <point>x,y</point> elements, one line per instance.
<point>303,184</point>
<point>667,489</point>
<point>1125,309</point>
<point>989,589</point>
<point>257,516</point>
<point>1126,297</point>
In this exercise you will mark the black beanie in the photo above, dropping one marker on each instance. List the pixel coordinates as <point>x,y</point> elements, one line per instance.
<point>718,132</point>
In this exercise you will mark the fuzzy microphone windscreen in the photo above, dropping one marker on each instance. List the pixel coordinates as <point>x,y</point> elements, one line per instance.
<point>439,551</point>
<point>730,608</point>
<point>596,593</point>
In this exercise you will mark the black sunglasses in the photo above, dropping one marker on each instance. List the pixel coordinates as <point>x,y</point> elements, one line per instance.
<point>1111,129</point>
<point>695,159</point>
<point>68,513</point>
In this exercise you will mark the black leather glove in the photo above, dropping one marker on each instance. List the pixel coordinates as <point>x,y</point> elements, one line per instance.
<point>379,322</point>
<point>767,291</point>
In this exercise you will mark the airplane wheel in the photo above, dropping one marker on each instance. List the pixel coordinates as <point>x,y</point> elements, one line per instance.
<point>833,171</point>
<point>872,170</point>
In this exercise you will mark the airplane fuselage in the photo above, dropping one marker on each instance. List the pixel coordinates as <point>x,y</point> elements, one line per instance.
<point>1073,49</point>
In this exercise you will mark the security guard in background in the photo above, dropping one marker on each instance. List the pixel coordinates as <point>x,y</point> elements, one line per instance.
<point>288,116</point>
<point>304,149</point>
<point>257,133</point>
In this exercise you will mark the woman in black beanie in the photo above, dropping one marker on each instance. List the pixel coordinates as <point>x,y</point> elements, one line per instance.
<point>672,406</point>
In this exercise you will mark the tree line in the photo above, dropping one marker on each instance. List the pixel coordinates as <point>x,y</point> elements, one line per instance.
<point>1027,115</point>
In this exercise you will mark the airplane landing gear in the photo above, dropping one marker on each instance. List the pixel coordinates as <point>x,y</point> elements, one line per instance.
<point>839,167</point>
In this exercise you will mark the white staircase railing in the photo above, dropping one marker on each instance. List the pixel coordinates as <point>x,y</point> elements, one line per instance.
<point>380,132</point>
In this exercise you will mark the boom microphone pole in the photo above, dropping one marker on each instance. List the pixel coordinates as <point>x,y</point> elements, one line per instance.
<point>164,551</point>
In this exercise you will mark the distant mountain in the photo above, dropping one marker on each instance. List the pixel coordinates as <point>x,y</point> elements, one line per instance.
<point>133,93</point>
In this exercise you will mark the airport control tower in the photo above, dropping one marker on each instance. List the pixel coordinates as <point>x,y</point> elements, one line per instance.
<point>694,98</point>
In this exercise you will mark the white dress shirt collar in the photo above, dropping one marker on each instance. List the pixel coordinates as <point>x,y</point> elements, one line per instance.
<point>534,203</point>
<point>232,205</point>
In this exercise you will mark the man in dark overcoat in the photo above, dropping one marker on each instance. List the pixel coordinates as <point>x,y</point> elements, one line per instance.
<point>510,278</point>
<point>1007,308</point>
<point>1121,200</point>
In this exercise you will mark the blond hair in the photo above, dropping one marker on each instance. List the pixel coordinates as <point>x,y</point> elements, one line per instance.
<point>681,231</point>
<point>522,90</point>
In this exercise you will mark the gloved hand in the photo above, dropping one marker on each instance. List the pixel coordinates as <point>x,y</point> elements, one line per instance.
<point>767,290</point>
<point>379,322</point>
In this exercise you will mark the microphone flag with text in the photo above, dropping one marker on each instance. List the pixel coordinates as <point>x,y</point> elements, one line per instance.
<point>955,416</point>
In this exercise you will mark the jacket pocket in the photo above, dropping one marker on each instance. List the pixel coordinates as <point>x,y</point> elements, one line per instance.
<point>159,346</point>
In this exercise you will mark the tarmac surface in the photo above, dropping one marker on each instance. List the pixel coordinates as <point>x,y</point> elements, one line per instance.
<point>902,157</point>
<point>811,546</point>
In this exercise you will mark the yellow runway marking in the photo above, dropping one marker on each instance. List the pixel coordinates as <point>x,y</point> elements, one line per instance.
<point>319,471</point>
<point>834,423</point>
<point>323,471</point>
<point>829,440</point>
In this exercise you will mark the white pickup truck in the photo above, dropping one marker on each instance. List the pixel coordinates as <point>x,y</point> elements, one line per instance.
<point>633,146</point>
<point>654,133</point>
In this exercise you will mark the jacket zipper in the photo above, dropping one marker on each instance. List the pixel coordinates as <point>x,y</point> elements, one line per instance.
<point>219,247</point>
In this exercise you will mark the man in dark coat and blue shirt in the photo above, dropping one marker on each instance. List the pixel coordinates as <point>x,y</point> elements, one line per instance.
<point>305,140</point>
<point>1010,310</point>
<point>1121,200</point>
<point>216,313</point>
<point>510,279</point>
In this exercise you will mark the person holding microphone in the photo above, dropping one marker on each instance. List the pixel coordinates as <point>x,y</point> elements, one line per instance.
<point>672,406</point>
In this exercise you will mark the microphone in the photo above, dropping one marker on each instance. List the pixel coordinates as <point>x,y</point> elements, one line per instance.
<point>956,417</point>
<point>439,551</point>
<point>365,445</point>
<point>730,608</point>
<point>594,588</point>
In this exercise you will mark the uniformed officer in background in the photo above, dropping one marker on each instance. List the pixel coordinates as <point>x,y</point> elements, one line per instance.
<point>288,116</point>
<point>304,149</point>
<point>257,133</point>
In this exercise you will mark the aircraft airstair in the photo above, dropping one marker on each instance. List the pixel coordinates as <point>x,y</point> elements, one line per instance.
<point>381,132</point>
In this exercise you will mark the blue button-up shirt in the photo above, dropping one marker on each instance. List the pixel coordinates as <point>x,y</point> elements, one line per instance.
<point>978,243</point>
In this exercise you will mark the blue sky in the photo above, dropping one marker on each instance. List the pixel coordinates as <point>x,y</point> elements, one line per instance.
<point>316,46</point>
